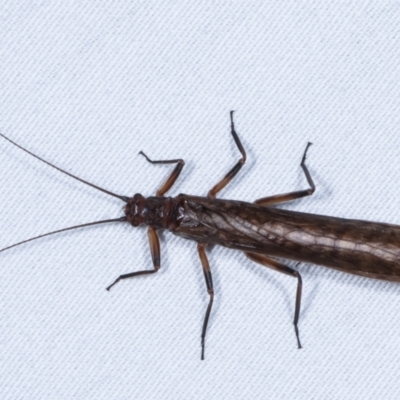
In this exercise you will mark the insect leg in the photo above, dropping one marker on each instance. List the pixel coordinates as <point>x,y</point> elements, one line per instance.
<point>277,266</point>
<point>174,174</point>
<point>201,247</point>
<point>155,255</point>
<point>231,174</point>
<point>280,198</point>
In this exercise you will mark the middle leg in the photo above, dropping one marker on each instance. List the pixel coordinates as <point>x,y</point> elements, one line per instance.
<point>231,174</point>
<point>201,247</point>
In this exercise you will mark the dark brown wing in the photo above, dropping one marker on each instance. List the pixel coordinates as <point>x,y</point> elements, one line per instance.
<point>359,247</point>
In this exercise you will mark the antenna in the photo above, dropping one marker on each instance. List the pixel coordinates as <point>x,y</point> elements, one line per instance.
<point>104,221</point>
<point>123,198</point>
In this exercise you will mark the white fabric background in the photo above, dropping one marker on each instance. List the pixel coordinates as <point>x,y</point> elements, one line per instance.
<point>88,87</point>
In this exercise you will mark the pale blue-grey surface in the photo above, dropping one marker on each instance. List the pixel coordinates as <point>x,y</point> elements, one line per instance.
<point>88,87</point>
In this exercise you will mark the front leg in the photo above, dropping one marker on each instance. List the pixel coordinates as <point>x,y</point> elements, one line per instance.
<point>154,243</point>
<point>174,174</point>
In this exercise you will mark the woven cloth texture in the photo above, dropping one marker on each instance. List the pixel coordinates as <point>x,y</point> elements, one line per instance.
<point>87,85</point>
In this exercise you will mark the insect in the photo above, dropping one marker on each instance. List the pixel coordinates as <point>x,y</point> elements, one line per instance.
<point>258,229</point>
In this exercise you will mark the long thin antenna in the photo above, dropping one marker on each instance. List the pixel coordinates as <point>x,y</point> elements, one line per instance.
<point>104,221</point>
<point>123,198</point>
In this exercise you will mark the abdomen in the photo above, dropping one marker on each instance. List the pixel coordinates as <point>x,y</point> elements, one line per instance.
<point>358,247</point>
